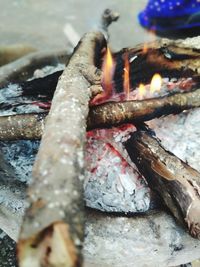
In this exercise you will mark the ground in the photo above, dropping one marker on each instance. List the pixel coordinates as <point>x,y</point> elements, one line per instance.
<point>50,24</point>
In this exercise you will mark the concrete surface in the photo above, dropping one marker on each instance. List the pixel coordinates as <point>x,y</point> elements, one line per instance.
<point>50,24</point>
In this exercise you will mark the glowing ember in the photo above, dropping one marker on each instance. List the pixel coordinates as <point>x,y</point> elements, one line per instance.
<point>126,84</point>
<point>156,83</point>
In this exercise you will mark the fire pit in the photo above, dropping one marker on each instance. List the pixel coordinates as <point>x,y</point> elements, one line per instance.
<point>134,184</point>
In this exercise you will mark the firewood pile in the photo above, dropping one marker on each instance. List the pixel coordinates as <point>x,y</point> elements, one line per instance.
<point>97,120</point>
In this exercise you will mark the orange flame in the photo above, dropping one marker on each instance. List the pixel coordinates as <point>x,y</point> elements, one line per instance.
<point>126,83</point>
<point>145,48</point>
<point>142,91</point>
<point>108,70</point>
<point>156,83</point>
<point>151,38</point>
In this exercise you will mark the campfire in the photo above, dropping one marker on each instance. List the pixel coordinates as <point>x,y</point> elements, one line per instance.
<point>99,120</point>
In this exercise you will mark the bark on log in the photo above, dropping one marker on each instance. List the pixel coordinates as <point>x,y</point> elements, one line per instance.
<point>177,183</point>
<point>113,114</point>
<point>22,127</point>
<point>52,231</point>
<point>31,126</point>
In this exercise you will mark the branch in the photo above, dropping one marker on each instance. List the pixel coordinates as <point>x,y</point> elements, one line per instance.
<point>31,126</point>
<point>177,183</point>
<point>113,114</point>
<point>53,228</point>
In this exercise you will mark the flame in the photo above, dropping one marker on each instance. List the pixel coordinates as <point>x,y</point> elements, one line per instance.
<point>145,48</point>
<point>108,71</point>
<point>151,38</point>
<point>126,83</point>
<point>142,91</point>
<point>156,83</point>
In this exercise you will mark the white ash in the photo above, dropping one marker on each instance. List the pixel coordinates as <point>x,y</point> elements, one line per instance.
<point>21,155</point>
<point>47,70</point>
<point>11,102</point>
<point>180,134</point>
<point>112,181</point>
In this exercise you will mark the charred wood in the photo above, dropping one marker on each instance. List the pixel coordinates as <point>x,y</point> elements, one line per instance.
<point>55,220</point>
<point>172,59</point>
<point>176,182</point>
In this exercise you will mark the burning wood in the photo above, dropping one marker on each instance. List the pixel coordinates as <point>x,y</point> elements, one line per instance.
<point>176,182</point>
<point>56,222</point>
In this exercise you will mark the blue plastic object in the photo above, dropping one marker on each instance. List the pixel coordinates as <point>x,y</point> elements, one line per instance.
<point>161,15</point>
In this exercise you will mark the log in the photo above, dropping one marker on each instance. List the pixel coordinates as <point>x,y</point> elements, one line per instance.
<point>31,126</point>
<point>116,113</point>
<point>53,228</point>
<point>22,127</point>
<point>176,182</point>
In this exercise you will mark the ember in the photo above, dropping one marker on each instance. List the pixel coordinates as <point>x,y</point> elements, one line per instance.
<point>113,182</point>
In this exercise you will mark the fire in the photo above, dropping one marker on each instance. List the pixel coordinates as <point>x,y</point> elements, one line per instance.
<point>145,48</point>
<point>108,71</point>
<point>156,83</point>
<point>126,77</point>
<point>108,68</point>
<point>151,37</point>
<point>142,91</point>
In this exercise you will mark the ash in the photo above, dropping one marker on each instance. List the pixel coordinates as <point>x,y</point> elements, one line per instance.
<point>47,70</point>
<point>21,155</point>
<point>113,183</point>
<point>180,134</point>
<point>11,100</point>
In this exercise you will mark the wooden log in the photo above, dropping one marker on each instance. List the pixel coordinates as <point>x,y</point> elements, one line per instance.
<point>53,228</point>
<point>22,127</point>
<point>116,113</point>
<point>176,182</point>
<point>28,126</point>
